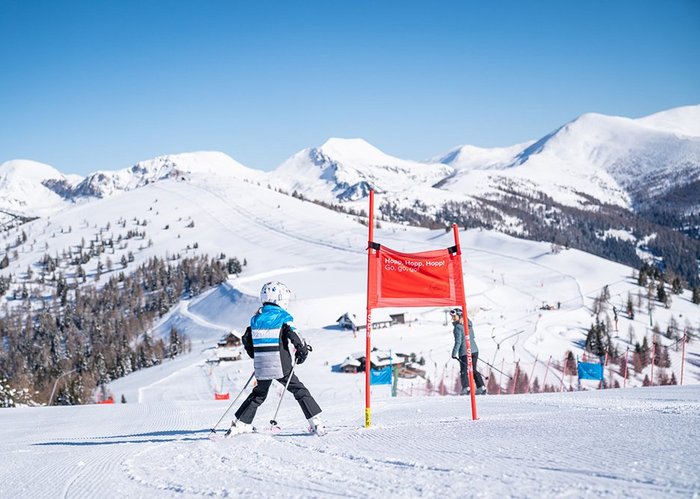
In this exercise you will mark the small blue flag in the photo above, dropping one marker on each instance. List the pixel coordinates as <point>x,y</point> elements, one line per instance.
<point>587,370</point>
<point>380,377</point>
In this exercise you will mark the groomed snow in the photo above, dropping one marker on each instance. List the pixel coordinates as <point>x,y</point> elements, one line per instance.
<point>616,443</point>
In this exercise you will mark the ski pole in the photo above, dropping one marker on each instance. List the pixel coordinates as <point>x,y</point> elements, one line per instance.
<point>213,430</point>
<point>273,421</point>
<point>464,363</point>
<point>494,368</point>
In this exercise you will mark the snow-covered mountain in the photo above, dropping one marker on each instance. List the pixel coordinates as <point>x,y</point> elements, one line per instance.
<point>617,160</point>
<point>347,169</point>
<point>31,189</point>
<point>594,175</point>
<point>106,183</point>
<point>594,159</point>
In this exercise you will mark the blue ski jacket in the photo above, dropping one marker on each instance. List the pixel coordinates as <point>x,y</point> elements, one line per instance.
<point>267,340</point>
<point>460,347</point>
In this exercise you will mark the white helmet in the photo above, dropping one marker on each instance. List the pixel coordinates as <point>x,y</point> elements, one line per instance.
<point>275,292</point>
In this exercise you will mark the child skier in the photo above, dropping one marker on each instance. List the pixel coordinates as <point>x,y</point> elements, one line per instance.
<point>266,340</point>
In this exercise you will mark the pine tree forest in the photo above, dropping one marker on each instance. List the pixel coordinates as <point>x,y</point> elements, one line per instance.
<point>89,335</point>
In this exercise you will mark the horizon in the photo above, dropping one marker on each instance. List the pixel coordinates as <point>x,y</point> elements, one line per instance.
<point>100,87</point>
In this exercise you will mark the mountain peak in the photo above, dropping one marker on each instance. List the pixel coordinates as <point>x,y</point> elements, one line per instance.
<point>105,183</point>
<point>31,188</point>
<point>683,120</point>
<point>353,151</point>
<point>30,170</point>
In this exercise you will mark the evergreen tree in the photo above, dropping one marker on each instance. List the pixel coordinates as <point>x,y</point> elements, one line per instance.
<point>492,386</point>
<point>630,307</point>
<point>662,295</point>
<point>677,285</point>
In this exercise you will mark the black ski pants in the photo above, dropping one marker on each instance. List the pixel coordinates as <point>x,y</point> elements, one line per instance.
<point>246,412</point>
<point>464,374</point>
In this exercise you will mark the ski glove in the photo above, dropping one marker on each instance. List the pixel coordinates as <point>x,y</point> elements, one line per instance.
<point>302,352</point>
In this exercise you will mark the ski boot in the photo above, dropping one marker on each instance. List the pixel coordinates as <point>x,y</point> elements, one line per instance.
<point>317,426</point>
<point>239,427</point>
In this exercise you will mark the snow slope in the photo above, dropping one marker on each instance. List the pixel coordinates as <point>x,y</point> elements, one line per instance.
<point>617,443</point>
<point>613,443</point>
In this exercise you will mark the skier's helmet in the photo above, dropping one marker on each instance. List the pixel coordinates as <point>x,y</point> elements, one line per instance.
<point>275,292</point>
<point>456,311</point>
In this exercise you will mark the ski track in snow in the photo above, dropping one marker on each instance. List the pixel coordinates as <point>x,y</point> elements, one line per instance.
<point>418,447</point>
<point>289,229</point>
<point>423,447</point>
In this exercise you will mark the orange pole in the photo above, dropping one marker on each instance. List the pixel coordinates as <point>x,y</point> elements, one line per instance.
<point>368,323</point>
<point>546,371</point>
<point>515,378</point>
<point>532,374</point>
<point>653,354</point>
<point>470,367</point>
<point>605,363</point>
<point>685,331</point>
<point>500,380</point>
<point>563,373</point>
<point>624,383</point>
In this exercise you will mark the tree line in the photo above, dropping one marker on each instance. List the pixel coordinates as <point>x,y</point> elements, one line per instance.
<point>97,333</point>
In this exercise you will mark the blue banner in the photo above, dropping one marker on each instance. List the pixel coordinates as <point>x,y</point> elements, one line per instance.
<point>587,370</point>
<point>380,377</point>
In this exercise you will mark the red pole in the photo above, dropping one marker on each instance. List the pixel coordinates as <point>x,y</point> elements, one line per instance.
<point>515,378</point>
<point>532,374</point>
<point>368,324</point>
<point>653,354</point>
<point>605,363</point>
<point>624,383</point>
<point>500,381</point>
<point>563,373</point>
<point>685,331</point>
<point>470,367</point>
<point>544,383</point>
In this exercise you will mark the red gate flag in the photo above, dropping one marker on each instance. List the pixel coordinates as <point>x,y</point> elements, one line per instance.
<point>430,278</point>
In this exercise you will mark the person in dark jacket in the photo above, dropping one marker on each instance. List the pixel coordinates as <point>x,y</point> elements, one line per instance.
<point>459,352</point>
<point>266,341</point>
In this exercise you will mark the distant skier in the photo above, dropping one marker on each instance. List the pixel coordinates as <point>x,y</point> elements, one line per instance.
<point>266,340</point>
<point>459,352</point>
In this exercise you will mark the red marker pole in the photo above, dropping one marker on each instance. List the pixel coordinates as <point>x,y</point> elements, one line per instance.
<point>368,323</point>
<point>685,332</point>
<point>500,380</point>
<point>515,378</point>
<point>532,374</point>
<point>653,354</point>
<point>470,368</point>
<point>544,382</point>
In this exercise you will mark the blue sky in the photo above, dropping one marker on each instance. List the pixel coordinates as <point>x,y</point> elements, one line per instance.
<point>89,85</point>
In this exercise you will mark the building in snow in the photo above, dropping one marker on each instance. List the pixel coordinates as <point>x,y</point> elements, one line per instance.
<point>229,347</point>
<point>380,319</point>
